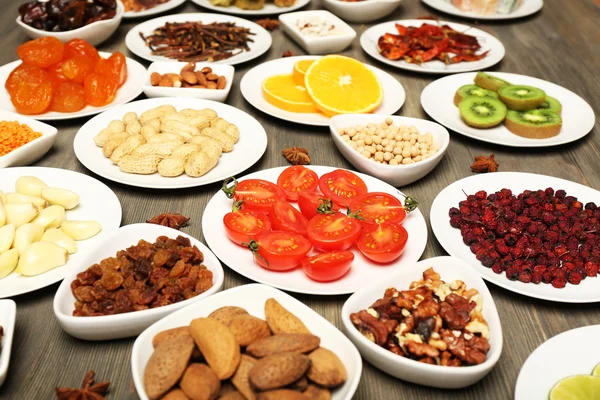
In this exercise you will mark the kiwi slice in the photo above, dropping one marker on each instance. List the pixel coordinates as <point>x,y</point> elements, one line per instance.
<point>489,82</point>
<point>472,90</point>
<point>534,124</point>
<point>521,97</point>
<point>551,104</point>
<point>482,112</point>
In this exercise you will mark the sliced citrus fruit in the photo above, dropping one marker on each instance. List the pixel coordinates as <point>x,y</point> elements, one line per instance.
<point>299,71</point>
<point>578,387</point>
<point>282,92</point>
<point>343,85</point>
<point>596,371</point>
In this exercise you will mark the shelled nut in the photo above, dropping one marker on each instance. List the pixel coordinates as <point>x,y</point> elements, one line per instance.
<point>188,77</point>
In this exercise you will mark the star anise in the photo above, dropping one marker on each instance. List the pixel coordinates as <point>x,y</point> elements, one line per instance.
<point>174,221</point>
<point>89,390</point>
<point>287,53</point>
<point>268,23</point>
<point>482,164</point>
<point>296,155</point>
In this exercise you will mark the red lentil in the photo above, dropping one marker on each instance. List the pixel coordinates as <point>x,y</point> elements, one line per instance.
<point>14,135</point>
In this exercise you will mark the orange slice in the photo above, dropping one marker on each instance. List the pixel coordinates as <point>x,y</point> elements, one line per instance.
<point>343,85</point>
<point>282,92</point>
<point>299,71</point>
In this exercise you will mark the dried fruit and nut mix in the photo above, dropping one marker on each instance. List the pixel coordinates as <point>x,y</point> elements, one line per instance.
<point>236,354</point>
<point>388,143</point>
<point>434,322</point>
<point>536,236</point>
<point>14,135</point>
<point>144,276</point>
<point>188,77</point>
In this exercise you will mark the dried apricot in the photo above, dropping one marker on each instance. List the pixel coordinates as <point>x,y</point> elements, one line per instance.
<point>79,47</point>
<point>42,52</point>
<point>68,97</point>
<point>23,73</point>
<point>32,98</point>
<point>56,74</point>
<point>99,89</point>
<point>76,68</point>
<point>115,65</point>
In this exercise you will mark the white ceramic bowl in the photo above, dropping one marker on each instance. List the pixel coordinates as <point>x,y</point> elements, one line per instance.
<point>252,297</point>
<point>8,314</point>
<point>128,324</point>
<point>361,11</point>
<point>395,175</point>
<point>32,151</point>
<point>318,44</point>
<point>450,269</point>
<point>164,67</point>
<point>94,33</point>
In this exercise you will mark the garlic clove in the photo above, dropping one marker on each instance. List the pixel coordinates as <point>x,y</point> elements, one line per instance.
<point>61,197</point>
<point>51,217</point>
<point>15,198</point>
<point>20,213</point>
<point>26,235</point>
<point>8,262</point>
<point>2,215</point>
<point>60,238</point>
<point>2,197</point>
<point>7,236</point>
<point>30,185</point>
<point>41,257</point>
<point>81,230</point>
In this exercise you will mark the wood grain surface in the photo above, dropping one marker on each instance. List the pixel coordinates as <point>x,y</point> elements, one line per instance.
<point>560,44</point>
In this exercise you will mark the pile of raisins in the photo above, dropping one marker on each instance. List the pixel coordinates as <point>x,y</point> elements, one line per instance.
<point>538,236</point>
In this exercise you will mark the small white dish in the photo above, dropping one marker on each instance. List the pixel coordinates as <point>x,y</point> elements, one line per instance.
<point>574,352</point>
<point>161,8</point>
<point>361,11</point>
<point>395,175</point>
<point>94,33</point>
<point>251,87</point>
<point>32,151</point>
<point>370,37</point>
<point>528,7</point>
<point>252,297</point>
<point>8,315</point>
<point>269,8</point>
<point>119,326</point>
<point>438,376</point>
<point>164,67</point>
<point>341,38</point>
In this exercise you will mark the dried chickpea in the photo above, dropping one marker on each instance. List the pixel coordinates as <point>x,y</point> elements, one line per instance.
<point>389,120</point>
<point>376,140</point>
<point>385,142</point>
<point>388,156</point>
<point>360,142</point>
<point>406,161</point>
<point>360,149</point>
<point>354,145</point>
<point>379,147</point>
<point>389,148</point>
<point>346,138</point>
<point>393,162</point>
<point>341,131</point>
<point>359,128</point>
<point>417,158</point>
<point>368,140</point>
<point>366,154</point>
<point>406,152</point>
<point>397,150</point>
<point>378,156</point>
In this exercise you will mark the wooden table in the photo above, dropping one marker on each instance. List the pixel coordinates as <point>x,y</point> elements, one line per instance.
<point>560,44</point>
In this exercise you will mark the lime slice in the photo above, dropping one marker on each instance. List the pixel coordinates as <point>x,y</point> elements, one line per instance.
<point>596,371</point>
<point>578,387</point>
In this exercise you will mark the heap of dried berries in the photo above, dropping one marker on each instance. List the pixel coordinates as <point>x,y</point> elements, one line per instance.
<point>287,53</point>
<point>268,23</point>
<point>482,164</point>
<point>296,155</point>
<point>89,390</point>
<point>174,221</point>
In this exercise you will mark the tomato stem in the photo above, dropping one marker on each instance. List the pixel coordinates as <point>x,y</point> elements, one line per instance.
<point>237,205</point>
<point>253,246</point>
<point>355,214</point>
<point>410,203</point>
<point>229,191</point>
<point>325,206</point>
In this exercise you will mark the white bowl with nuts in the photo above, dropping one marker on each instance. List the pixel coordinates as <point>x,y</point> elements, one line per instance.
<point>181,79</point>
<point>397,150</point>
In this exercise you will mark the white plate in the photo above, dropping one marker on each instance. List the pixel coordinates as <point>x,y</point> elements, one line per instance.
<point>527,8</point>
<point>368,41</point>
<point>588,291</point>
<point>450,269</point>
<point>132,88</point>
<point>251,87</point>
<point>247,151</point>
<point>241,260</point>
<point>97,203</point>
<point>574,352</point>
<point>261,38</point>
<point>437,101</point>
<point>8,314</point>
<point>269,8</point>
<point>32,151</point>
<point>169,5</point>
<point>252,297</point>
<point>133,323</point>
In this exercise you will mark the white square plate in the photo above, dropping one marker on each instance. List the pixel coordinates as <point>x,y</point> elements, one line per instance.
<point>8,313</point>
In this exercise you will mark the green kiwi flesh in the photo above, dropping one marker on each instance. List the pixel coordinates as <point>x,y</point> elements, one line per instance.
<point>489,82</point>
<point>521,97</point>
<point>551,104</point>
<point>482,112</point>
<point>534,124</point>
<point>472,90</point>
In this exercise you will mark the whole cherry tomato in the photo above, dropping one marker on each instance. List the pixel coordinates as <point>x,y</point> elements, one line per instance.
<point>296,179</point>
<point>333,232</point>
<point>79,47</point>
<point>342,186</point>
<point>42,52</point>
<point>99,90</point>
<point>257,194</point>
<point>241,225</point>
<point>68,97</point>
<point>383,243</point>
<point>313,203</point>
<point>284,217</point>
<point>278,250</point>
<point>326,267</point>
<point>115,66</point>
<point>77,68</point>
<point>378,207</point>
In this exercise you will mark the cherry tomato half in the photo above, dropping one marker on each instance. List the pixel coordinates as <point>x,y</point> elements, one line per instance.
<point>296,179</point>
<point>278,250</point>
<point>241,226</point>
<point>383,243</point>
<point>311,202</point>
<point>378,207</point>
<point>257,194</point>
<point>333,232</point>
<point>327,267</point>
<point>342,186</point>
<point>284,217</point>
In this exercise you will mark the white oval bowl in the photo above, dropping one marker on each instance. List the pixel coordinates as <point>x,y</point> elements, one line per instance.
<point>32,151</point>
<point>164,67</point>
<point>252,297</point>
<point>94,33</point>
<point>361,11</point>
<point>119,326</point>
<point>450,269</point>
<point>8,314</point>
<point>395,175</point>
